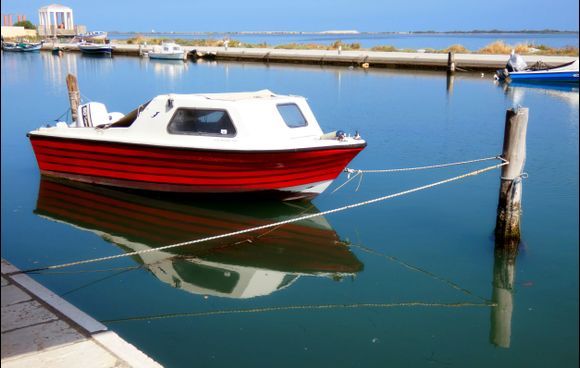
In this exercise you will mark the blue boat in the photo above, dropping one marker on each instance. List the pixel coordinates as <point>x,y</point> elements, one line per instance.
<point>95,48</point>
<point>518,71</point>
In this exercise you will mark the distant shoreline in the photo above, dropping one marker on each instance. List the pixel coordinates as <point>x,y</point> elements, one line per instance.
<point>349,33</point>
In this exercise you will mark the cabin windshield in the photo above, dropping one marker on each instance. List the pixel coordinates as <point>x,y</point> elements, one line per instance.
<point>128,119</point>
<point>292,115</point>
<point>212,122</point>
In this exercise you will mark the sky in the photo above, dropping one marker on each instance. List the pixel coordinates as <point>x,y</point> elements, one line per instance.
<point>311,15</point>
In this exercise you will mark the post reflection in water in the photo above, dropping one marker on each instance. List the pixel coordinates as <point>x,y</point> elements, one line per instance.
<point>245,266</point>
<point>57,67</point>
<point>503,296</point>
<point>450,81</point>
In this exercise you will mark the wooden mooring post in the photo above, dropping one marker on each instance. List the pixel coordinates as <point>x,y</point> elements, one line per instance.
<point>507,227</point>
<point>451,62</point>
<point>74,95</point>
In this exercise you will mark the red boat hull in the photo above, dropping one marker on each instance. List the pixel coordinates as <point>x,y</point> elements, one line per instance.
<point>189,170</point>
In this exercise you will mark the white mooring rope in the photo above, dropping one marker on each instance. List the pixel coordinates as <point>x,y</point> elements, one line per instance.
<point>353,171</point>
<point>296,219</point>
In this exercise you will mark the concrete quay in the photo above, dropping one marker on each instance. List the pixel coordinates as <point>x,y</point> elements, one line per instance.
<point>402,60</point>
<point>40,329</point>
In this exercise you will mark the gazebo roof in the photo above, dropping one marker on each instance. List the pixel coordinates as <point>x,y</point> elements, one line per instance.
<point>55,7</point>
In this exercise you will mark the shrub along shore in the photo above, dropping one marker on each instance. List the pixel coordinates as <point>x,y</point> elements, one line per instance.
<point>497,47</point>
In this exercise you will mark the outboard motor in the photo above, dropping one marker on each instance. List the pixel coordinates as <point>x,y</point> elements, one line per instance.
<point>516,63</point>
<point>94,114</point>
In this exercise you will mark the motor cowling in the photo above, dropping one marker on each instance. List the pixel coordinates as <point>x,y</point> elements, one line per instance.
<point>92,114</point>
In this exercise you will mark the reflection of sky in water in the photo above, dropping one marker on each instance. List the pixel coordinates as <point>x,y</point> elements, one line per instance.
<point>408,118</point>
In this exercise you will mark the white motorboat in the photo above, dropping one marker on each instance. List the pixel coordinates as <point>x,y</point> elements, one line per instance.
<point>245,142</point>
<point>168,51</point>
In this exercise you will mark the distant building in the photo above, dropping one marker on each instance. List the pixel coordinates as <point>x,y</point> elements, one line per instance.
<point>11,31</point>
<point>57,20</point>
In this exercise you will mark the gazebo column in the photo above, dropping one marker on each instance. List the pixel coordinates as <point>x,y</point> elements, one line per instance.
<point>55,22</point>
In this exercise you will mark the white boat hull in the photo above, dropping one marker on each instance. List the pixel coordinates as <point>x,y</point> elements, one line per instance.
<point>164,56</point>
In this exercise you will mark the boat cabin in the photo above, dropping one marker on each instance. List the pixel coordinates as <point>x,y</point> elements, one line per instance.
<point>168,48</point>
<point>250,119</point>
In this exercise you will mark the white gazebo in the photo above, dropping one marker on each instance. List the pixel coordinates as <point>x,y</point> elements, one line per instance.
<point>56,20</point>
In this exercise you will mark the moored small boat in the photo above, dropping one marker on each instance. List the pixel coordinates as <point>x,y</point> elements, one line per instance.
<point>94,35</point>
<point>21,46</point>
<point>245,142</point>
<point>95,48</point>
<point>517,70</point>
<point>168,51</point>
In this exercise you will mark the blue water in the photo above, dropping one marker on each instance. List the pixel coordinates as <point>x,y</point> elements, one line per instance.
<point>472,42</point>
<point>313,302</point>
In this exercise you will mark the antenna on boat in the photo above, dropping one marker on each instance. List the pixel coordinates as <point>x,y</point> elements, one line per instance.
<point>74,95</point>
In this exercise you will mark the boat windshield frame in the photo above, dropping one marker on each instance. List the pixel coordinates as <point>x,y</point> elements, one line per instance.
<point>127,120</point>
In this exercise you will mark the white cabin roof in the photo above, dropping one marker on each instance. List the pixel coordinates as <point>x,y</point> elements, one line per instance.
<point>237,96</point>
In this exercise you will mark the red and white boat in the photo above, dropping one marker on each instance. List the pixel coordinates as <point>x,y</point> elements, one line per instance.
<point>248,142</point>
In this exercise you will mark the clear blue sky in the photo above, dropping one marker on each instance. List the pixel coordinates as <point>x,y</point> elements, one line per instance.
<point>312,15</point>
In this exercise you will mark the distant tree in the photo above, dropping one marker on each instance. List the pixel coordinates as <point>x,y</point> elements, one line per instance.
<point>26,24</point>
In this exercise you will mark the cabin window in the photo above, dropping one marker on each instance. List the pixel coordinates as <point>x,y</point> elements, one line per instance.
<point>292,115</point>
<point>202,122</point>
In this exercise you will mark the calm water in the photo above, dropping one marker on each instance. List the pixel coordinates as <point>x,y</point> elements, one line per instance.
<point>401,41</point>
<point>260,303</point>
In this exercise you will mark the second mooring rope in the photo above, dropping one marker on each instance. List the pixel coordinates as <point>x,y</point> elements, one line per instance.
<point>304,308</point>
<point>276,224</point>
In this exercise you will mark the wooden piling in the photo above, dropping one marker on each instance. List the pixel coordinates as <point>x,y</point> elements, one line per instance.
<point>507,228</point>
<point>451,62</point>
<point>74,95</point>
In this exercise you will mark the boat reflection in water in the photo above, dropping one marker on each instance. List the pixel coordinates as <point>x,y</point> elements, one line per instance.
<point>168,68</point>
<point>516,91</point>
<point>245,266</point>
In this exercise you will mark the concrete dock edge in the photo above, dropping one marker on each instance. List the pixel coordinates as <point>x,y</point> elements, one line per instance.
<point>41,329</point>
<point>376,59</point>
